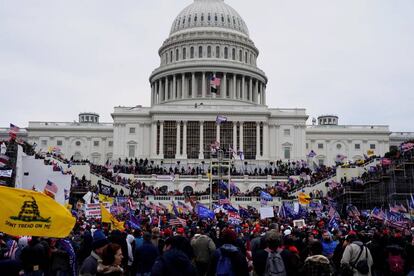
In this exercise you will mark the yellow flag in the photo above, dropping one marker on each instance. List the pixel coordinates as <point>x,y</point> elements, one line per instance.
<point>370,152</point>
<point>109,218</point>
<point>304,198</point>
<point>31,213</point>
<point>105,198</point>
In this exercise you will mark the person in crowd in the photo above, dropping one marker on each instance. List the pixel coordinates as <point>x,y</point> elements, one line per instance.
<point>110,264</point>
<point>317,264</point>
<point>228,258</point>
<point>34,257</point>
<point>145,256</point>
<point>173,261</point>
<point>203,247</point>
<point>328,245</point>
<point>357,259</point>
<point>131,248</point>
<point>90,265</point>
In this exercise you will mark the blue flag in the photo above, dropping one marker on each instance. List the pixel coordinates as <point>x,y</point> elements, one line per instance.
<point>229,207</point>
<point>265,196</point>
<point>244,213</point>
<point>204,212</point>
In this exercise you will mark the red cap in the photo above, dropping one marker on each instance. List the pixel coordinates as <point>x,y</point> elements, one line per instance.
<point>180,230</point>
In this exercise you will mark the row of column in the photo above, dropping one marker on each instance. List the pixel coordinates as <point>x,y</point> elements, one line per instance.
<point>237,145</point>
<point>177,87</point>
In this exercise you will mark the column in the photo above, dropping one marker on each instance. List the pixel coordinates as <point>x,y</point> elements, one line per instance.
<point>264,94</point>
<point>185,139</point>
<point>174,87</point>
<point>204,85</point>
<point>233,96</point>
<point>266,140</point>
<point>162,92</point>
<point>177,151</point>
<point>251,90</point>
<point>156,99</point>
<point>258,141</point>
<point>201,152</point>
<point>161,155</point>
<point>256,92</point>
<point>193,86</point>
<point>241,137</point>
<point>223,89</point>
<point>183,95</point>
<point>235,136</point>
<point>218,132</point>
<point>243,90</point>
<point>152,94</point>
<point>153,139</point>
<point>167,88</point>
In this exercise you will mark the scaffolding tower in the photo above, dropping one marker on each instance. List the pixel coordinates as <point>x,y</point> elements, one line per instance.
<point>220,167</point>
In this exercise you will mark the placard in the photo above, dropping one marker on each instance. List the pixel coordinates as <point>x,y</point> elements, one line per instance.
<point>266,212</point>
<point>299,223</point>
<point>93,210</point>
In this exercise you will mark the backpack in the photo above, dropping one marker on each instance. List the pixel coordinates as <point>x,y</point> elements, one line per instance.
<point>396,264</point>
<point>224,265</point>
<point>275,265</point>
<point>362,265</point>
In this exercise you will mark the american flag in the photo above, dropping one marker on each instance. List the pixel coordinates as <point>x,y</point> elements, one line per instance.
<point>214,83</point>
<point>178,221</point>
<point>223,201</point>
<point>221,119</point>
<point>14,128</point>
<point>51,187</point>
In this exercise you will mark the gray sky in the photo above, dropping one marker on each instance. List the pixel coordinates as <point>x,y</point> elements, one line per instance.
<point>351,58</point>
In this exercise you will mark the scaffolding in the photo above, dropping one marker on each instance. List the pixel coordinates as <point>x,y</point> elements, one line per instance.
<point>220,167</point>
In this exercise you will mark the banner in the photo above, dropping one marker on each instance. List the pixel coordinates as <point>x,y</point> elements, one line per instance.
<point>109,218</point>
<point>105,198</point>
<point>266,212</point>
<point>30,213</point>
<point>6,173</point>
<point>93,210</point>
<point>304,198</point>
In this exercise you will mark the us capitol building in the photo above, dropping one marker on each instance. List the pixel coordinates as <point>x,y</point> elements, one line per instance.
<point>209,38</point>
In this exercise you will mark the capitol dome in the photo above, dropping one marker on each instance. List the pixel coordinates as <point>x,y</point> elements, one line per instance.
<point>209,14</point>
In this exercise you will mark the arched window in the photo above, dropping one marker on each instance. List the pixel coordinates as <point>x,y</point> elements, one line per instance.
<point>233,54</point>
<point>217,52</point>
<point>188,190</point>
<point>208,18</point>
<point>176,54</point>
<point>240,55</point>
<point>192,52</point>
<point>184,53</point>
<point>171,56</point>
<point>251,58</point>
<point>226,52</point>
<point>245,57</point>
<point>209,51</point>
<point>202,17</point>
<point>200,51</point>
<point>166,57</point>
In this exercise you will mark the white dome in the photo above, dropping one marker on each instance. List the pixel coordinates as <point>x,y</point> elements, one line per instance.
<point>209,13</point>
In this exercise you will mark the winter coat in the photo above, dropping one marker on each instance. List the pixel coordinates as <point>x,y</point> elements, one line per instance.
<point>109,270</point>
<point>328,248</point>
<point>238,260</point>
<point>173,262</point>
<point>317,265</point>
<point>90,265</point>
<point>351,253</point>
<point>203,248</point>
<point>145,257</point>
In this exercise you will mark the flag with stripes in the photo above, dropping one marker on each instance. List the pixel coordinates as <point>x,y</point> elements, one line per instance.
<point>50,189</point>
<point>178,221</point>
<point>221,119</point>
<point>14,128</point>
<point>214,84</point>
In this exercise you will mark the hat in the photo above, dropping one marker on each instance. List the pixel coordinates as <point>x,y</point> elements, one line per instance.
<point>229,236</point>
<point>180,230</point>
<point>99,240</point>
<point>287,232</point>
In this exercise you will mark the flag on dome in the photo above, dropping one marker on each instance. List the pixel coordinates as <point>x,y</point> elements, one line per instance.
<point>214,84</point>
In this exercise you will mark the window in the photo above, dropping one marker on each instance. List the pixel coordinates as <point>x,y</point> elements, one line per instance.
<point>44,142</point>
<point>184,53</point>
<point>131,151</point>
<point>192,52</point>
<point>320,146</point>
<point>245,57</point>
<point>96,143</point>
<point>209,51</point>
<point>338,146</point>
<point>320,162</point>
<point>217,52</point>
<point>233,54</point>
<point>193,139</point>
<point>249,140</point>
<point>170,139</point>
<point>372,146</point>
<point>171,56</point>
<point>209,136</point>
<point>307,146</point>
<point>78,143</point>
<point>286,132</point>
<point>176,54</point>
<point>226,53</point>
<point>110,143</point>
<point>200,51</point>
<point>240,55</point>
<point>131,130</point>
<point>357,146</point>
<point>59,142</point>
<point>286,151</point>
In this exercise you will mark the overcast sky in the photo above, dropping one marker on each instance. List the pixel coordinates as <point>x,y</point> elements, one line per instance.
<point>351,58</point>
